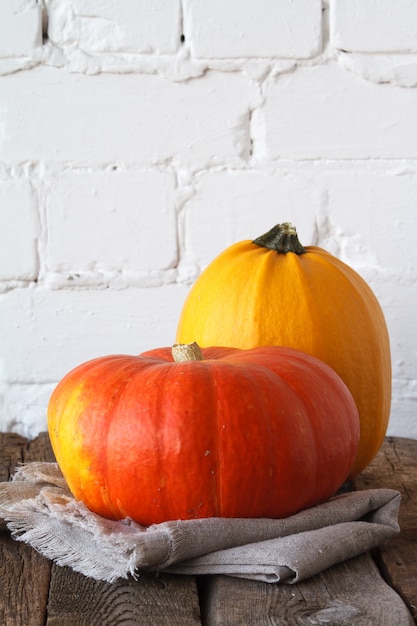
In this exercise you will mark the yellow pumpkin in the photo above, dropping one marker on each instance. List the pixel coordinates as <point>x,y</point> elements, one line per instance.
<point>273,291</point>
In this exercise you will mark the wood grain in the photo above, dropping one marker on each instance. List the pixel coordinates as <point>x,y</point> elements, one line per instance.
<point>34,592</point>
<point>80,601</point>
<point>24,574</point>
<point>12,448</point>
<point>354,592</point>
<point>24,584</point>
<point>346,594</point>
<point>395,467</point>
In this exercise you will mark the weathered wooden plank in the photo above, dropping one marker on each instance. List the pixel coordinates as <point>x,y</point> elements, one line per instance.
<point>24,584</point>
<point>39,449</point>
<point>354,592</point>
<point>395,467</point>
<point>12,447</point>
<point>33,591</point>
<point>24,574</point>
<point>335,596</point>
<point>79,601</point>
<point>15,449</point>
<point>346,594</point>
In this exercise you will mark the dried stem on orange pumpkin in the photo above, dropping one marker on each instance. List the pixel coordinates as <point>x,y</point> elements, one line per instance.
<point>186,352</point>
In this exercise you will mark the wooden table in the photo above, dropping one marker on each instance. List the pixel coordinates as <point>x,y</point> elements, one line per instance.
<point>378,589</point>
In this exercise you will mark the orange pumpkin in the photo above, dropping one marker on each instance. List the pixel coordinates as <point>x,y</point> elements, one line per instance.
<point>273,291</point>
<point>242,433</point>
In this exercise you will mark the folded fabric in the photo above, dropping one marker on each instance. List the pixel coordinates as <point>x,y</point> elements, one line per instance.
<point>38,509</point>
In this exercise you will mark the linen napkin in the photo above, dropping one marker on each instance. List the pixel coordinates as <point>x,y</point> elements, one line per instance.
<point>38,509</point>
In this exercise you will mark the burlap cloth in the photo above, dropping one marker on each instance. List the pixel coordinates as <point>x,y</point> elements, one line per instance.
<point>38,509</point>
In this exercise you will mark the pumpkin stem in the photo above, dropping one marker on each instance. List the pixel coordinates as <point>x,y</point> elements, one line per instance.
<point>186,352</point>
<point>282,238</point>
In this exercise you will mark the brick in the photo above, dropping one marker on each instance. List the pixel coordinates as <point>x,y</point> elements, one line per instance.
<point>107,118</point>
<point>20,27</point>
<point>399,300</point>
<point>402,422</point>
<point>305,118</point>
<point>45,333</point>
<point>266,28</point>
<point>374,25</point>
<point>19,231</point>
<point>112,221</point>
<point>376,217</point>
<point>232,206</point>
<point>24,408</point>
<point>128,26</point>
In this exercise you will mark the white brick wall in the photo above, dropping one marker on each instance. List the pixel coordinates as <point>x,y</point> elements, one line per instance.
<point>19,231</point>
<point>374,25</point>
<point>20,27</point>
<point>265,28</point>
<point>138,140</point>
<point>122,203</point>
<point>325,112</point>
<point>107,26</point>
<point>54,115</point>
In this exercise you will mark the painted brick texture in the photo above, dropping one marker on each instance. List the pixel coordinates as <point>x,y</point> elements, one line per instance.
<point>128,26</point>
<point>123,204</point>
<point>20,27</point>
<point>111,118</point>
<point>374,25</point>
<point>140,139</point>
<point>304,119</point>
<point>265,28</point>
<point>19,231</point>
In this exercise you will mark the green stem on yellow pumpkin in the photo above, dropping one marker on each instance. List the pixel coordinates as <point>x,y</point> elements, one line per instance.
<point>186,352</point>
<point>282,238</point>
